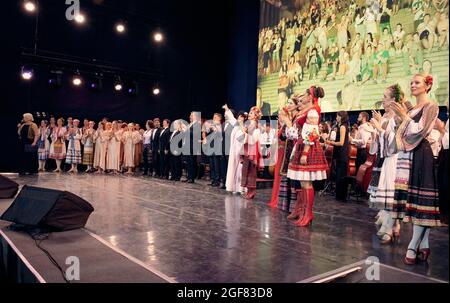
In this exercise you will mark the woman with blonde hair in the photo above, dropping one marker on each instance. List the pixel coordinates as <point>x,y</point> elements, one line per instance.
<point>101,145</point>
<point>130,138</point>
<point>113,154</point>
<point>307,163</point>
<point>58,146</point>
<point>88,142</point>
<point>28,137</point>
<point>416,184</point>
<point>43,144</point>
<point>251,158</point>
<point>74,136</point>
<point>382,185</point>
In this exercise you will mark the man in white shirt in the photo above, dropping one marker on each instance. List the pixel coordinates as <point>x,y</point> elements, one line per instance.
<point>363,138</point>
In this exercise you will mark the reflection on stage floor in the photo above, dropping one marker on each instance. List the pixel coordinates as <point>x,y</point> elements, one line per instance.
<point>195,233</point>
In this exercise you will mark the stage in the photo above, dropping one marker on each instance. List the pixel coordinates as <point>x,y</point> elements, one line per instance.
<point>194,233</point>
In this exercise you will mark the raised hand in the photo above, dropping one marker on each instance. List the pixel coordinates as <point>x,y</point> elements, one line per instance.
<point>398,110</point>
<point>376,115</point>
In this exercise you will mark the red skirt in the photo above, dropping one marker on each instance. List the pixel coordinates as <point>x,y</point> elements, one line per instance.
<point>316,167</point>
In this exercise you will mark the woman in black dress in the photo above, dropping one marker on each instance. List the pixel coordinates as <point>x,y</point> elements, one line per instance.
<point>340,155</point>
<point>416,179</point>
<point>28,137</point>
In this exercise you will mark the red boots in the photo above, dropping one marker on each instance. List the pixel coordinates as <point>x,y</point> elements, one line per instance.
<point>250,193</point>
<point>308,197</point>
<point>299,208</point>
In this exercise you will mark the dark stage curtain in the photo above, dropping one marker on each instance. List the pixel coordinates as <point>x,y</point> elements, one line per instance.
<point>242,74</point>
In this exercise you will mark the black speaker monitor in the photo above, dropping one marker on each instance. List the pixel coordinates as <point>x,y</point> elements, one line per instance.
<point>8,188</point>
<point>51,209</point>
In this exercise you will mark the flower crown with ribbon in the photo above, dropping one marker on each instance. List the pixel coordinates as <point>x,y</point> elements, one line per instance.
<point>429,81</point>
<point>257,111</point>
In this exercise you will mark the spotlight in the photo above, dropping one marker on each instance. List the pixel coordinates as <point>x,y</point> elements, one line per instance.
<point>118,84</point>
<point>29,6</point>
<point>26,73</point>
<point>80,18</point>
<point>120,27</point>
<point>77,79</point>
<point>158,37</point>
<point>156,91</point>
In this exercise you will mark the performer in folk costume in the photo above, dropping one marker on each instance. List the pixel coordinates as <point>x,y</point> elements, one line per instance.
<point>113,154</point>
<point>43,144</point>
<point>130,138</point>
<point>251,158</point>
<point>138,149</point>
<point>416,182</point>
<point>101,146</point>
<point>88,143</point>
<point>288,191</point>
<point>308,161</point>
<point>58,146</point>
<point>382,185</point>
<point>279,158</point>
<point>234,170</point>
<point>74,135</point>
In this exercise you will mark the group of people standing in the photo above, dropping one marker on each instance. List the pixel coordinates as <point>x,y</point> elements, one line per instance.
<point>110,147</point>
<point>406,184</point>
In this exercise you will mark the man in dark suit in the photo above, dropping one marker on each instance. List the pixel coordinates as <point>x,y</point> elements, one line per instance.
<point>155,148</point>
<point>164,147</point>
<point>193,141</point>
<point>176,144</point>
<point>214,144</point>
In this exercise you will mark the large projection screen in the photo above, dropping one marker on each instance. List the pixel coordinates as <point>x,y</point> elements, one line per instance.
<point>352,48</point>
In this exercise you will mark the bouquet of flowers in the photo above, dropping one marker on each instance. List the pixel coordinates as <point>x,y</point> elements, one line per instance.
<point>311,137</point>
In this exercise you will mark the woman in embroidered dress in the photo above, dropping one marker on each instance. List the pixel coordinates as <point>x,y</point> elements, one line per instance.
<point>251,158</point>
<point>74,136</point>
<point>129,138</point>
<point>58,146</point>
<point>113,154</point>
<point>101,145</point>
<point>383,182</point>
<point>416,183</point>
<point>289,191</point>
<point>88,143</point>
<point>43,144</point>
<point>308,161</point>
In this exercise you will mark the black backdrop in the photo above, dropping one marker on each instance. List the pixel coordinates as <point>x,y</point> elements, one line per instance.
<point>209,58</point>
